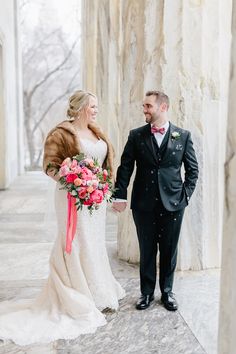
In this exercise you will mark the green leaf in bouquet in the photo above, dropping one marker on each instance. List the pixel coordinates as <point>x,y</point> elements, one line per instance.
<point>63,188</point>
<point>79,157</point>
<point>79,206</point>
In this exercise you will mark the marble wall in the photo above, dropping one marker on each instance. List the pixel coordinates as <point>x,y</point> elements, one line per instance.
<point>11,116</point>
<point>182,48</point>
<point>227,320</point>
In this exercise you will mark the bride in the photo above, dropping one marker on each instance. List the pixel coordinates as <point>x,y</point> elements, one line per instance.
<point>80,285</point>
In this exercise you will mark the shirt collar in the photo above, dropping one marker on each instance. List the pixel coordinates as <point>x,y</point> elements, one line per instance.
<point>166,126</point>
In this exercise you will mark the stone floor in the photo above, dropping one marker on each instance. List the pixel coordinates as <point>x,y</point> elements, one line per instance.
<point>24,253</point>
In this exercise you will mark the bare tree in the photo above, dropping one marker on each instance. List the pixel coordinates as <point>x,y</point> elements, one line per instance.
<point>51,72</point>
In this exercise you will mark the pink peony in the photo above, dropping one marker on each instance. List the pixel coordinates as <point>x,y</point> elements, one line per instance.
<point>86,174</point>
<point>97,196</point>
<point>71,177</point>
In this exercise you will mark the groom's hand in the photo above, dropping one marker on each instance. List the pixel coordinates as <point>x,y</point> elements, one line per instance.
<point>119,206</point>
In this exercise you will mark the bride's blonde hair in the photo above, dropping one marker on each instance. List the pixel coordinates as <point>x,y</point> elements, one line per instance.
<point>78,101</point>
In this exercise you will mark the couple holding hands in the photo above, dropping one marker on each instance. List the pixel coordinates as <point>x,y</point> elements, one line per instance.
<point>80,284</point>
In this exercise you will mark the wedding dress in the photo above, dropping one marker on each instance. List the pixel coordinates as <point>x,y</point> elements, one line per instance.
<point>79,285</point>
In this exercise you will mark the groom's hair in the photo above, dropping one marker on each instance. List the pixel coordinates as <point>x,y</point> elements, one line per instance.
<point>160,97</point>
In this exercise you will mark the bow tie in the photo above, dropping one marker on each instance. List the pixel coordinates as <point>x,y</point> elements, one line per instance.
<point>157,130</point>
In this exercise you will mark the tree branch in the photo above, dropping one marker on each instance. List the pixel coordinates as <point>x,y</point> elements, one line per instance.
<point>68,89</point>
<point>50,73</point>
<point>31,52</point>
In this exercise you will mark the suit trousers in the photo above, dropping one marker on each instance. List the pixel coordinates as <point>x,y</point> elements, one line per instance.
<point>159,227</point>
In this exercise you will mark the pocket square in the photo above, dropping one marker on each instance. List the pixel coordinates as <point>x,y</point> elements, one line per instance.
<point>179,147</point>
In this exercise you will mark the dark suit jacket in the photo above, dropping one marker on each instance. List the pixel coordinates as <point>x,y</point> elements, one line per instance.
<point>157,176</point>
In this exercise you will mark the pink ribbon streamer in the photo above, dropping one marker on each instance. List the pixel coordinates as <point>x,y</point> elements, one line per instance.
<point>71,222</point>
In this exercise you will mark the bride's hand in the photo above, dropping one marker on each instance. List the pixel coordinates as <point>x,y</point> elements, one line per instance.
<point>53,175</point>
<point>119,206</point>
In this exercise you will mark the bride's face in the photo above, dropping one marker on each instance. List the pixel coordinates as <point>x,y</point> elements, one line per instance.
<point>92,109</point>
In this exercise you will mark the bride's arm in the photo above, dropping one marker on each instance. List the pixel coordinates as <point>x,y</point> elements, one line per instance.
<point>53,154</point>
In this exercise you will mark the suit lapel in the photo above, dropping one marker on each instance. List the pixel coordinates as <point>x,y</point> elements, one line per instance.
<point>148,141</point>
<point>165,141</point>
<point>171,141</point>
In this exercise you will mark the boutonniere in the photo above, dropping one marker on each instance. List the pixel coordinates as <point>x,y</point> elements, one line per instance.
<point>175,135</point>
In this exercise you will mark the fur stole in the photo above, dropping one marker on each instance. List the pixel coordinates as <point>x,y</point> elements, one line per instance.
<point>62,141</point>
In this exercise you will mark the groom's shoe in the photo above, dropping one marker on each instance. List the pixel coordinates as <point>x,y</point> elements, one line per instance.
<point>169,301</point>
<point>144,302</point>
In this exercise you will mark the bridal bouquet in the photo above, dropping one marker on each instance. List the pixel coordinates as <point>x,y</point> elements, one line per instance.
<point>87,184</point>
<point>86,181</point>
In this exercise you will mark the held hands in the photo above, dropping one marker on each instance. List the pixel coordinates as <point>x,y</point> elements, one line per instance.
<point>119,206</point>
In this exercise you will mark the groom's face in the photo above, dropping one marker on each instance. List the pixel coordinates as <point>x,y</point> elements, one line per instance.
<point>151,109</point>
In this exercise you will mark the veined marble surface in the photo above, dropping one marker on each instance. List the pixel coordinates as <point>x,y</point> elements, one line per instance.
<point>24,252</point>
<point>148,45</point>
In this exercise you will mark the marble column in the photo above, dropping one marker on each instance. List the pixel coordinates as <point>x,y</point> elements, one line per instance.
<point>227,320</point>
<point>2,124</point>
<point>11,108</point>
<point>178,47</point>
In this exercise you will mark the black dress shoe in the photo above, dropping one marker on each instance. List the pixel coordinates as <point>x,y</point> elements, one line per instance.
<point>169,301</point>
<point>144,302</point>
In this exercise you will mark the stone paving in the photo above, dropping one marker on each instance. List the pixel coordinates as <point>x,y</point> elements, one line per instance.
<point>24,251</point>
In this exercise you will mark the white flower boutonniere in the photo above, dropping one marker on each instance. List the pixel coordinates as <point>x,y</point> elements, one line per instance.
<point>175,135</point>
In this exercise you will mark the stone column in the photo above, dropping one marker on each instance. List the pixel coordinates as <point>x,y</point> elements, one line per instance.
<point>174,47</point>
<point>227,319</point>
<point>2,124</point>
<point>11,112</point>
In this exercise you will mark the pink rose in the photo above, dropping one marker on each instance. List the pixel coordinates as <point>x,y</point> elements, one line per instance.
<point>71,177</point>
<point>88,202</point>
<point>105,188</point>
<point>82,193</point>
<point>90,189</point>
<point>105,174</point>
<point>78,182</point>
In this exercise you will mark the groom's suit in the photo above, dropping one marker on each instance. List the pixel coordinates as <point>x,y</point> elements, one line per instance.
<point>159,197</point>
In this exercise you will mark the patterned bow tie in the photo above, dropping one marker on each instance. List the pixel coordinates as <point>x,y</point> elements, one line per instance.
<point>157,130</point>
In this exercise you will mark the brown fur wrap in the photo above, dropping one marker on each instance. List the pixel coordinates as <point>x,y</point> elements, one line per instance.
<point>63,141</point>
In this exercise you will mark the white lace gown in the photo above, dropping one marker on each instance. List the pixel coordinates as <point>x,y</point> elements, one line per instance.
<point>79,285</point>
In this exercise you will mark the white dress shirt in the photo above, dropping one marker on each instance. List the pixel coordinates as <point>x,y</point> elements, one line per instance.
<point>159,137</point>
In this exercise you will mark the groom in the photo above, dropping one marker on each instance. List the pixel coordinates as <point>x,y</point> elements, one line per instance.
<point>159,196</point>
